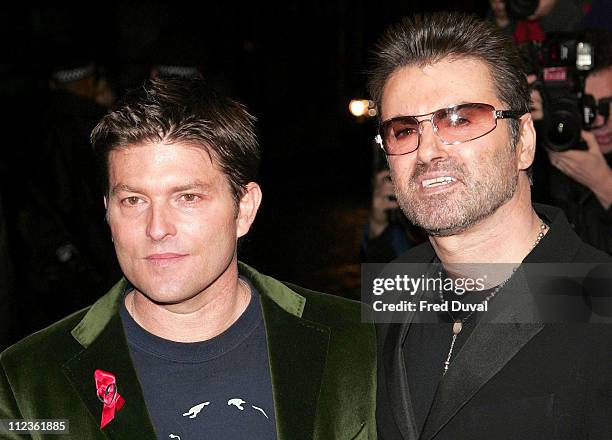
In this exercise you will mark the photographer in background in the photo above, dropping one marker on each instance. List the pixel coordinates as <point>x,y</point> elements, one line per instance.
<point>580,180</point>
<point>388,233</point>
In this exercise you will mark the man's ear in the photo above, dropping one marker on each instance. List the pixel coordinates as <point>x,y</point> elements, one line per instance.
<point>106,210</point>
<point>247,208</point>
<point>525,147</point>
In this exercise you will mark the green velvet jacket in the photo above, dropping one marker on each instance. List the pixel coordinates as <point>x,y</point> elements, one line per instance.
<point>322,364</point>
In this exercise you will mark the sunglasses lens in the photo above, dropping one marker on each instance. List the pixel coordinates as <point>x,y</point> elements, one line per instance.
<point>464,122</point>
<point>603,107</point>
<point>401,135</point>
<point>454,125</point>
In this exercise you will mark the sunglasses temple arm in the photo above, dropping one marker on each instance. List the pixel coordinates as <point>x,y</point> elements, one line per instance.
<point>508,114</point>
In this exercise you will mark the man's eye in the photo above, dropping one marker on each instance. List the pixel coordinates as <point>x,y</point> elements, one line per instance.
<point>404,132</point>
<point>131,201</point>
<point>457,121</point>
<point>189,197</point>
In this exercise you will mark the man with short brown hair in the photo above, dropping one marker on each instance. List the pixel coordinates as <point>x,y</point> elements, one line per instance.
<point>191,343</point>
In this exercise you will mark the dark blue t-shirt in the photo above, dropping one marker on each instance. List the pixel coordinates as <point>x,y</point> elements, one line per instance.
<point>216,389</point>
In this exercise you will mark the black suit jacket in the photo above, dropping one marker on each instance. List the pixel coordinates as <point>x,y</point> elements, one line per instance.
<point>514,378</point>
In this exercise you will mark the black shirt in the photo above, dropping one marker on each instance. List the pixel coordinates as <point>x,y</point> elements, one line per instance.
<point>427,346</point>
<point>216,389</point>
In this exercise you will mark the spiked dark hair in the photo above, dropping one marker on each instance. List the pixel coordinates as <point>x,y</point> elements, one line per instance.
<point>183,110</point>
<point>427,39</point>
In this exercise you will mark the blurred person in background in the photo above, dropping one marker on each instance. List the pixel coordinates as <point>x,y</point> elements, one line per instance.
<point>388,233</point>
<point>61,241</point>
<point>580,181</point>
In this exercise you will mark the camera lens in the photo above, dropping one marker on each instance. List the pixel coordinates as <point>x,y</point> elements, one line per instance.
<point>563,124</point>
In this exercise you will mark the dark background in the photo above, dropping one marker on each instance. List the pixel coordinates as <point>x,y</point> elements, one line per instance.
<point>295,64</point>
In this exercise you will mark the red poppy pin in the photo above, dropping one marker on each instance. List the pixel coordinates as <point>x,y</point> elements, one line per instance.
<point>106,388</point>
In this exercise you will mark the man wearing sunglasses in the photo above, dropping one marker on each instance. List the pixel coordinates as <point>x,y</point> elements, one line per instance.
<point>459,138</point>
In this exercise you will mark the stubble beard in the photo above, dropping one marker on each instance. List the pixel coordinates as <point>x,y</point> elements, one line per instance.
<point>478,194</point>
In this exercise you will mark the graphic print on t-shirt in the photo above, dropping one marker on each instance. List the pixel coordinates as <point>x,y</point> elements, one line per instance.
<point>261,410</point>
<point>194,411</point>
<point>237,403</point>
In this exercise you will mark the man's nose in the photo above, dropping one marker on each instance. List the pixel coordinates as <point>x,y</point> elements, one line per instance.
<point>603,113</point>
<point>431,147</point>
<point>160,222</point>
<point>599,121</point>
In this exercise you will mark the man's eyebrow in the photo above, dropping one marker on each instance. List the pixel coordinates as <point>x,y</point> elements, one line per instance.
<point>122,187</point>
<point>196,184</point>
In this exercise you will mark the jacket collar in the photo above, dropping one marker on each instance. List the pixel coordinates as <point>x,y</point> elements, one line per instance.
<point>103,310</point>
<point>297,354</point>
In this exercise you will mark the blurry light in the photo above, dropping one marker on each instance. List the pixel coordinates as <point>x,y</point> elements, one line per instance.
<point>362,108</point>
<point>584,56</point>
<point>358,107</point>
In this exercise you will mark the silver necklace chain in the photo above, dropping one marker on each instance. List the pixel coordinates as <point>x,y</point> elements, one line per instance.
<point>458,323</point>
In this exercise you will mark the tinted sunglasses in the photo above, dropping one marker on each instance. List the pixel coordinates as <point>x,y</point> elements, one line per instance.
<point>453,125</point>
<point>603,108</point>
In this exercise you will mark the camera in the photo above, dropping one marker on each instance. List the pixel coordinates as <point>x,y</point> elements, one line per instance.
<point>562,62</point>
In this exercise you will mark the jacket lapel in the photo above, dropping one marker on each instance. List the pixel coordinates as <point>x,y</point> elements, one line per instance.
<point>394,366</point>
<point>297,351</point>
<point>501,333</point>
<point>505,329</point>
<point>101,334</point>
<point>398,392</point>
